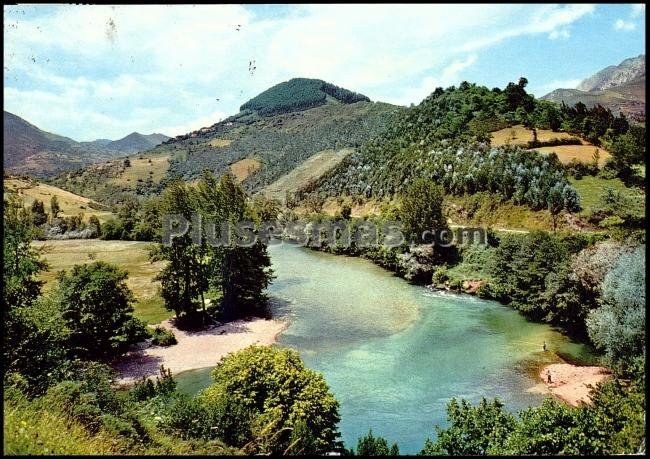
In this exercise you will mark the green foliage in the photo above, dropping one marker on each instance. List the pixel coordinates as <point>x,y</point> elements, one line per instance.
<point>618,326</point>
<point>162,337</point>
<point>432,141</point>
<point>268,394</point>
<point>240,271</point>
<point>479,430</point>
<point>112,230</point>
<point>55,208</point>
<point>421,210</point>
<point>298,94</point>
<point>612,424</point>
<point>97,308</point>
<point>21,262</point>
<point>39,217</point>
<point>369,445</point>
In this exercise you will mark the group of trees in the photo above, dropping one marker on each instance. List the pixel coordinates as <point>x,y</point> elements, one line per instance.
<point>239,271</point>
<point>88,315</point>
<point>298,94</point>
<point>591,288</point>
<point>613,424</point>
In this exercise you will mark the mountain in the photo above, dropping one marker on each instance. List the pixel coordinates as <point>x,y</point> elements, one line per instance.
<point>274,133</point>
<point>615,75</point>
<point>620,88</point>
<point>136,142</point>
<point>32,151</point>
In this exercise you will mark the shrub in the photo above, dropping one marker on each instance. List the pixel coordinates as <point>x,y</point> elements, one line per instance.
<point>266,392</point>
<point>163,337</point>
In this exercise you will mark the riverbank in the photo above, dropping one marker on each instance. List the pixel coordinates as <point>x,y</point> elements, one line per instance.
<point>196,349</point>
<point>570,383</point>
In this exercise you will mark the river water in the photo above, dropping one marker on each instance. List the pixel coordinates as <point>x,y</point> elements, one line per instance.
<point>393,353</point>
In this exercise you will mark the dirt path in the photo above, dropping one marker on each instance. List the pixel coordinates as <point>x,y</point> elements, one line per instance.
<point>196,349</point>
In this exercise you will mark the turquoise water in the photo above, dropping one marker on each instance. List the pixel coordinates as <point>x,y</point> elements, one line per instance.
<point>393,353</point>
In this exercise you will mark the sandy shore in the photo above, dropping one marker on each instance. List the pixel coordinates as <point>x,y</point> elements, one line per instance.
<point>198,349</point>
<point>570,382</point>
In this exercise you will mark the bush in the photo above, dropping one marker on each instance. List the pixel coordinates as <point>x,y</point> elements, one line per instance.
<point>163,337</point>
<point>266,392</point>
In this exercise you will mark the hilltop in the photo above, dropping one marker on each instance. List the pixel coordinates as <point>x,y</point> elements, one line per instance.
<point>620,88</point>
<point>274,133</point>
<point>30,150</point>
<point>299,94</point>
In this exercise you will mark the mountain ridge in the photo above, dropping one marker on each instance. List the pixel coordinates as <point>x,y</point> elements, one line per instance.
<point>621,88</point>
<point>27,149</point>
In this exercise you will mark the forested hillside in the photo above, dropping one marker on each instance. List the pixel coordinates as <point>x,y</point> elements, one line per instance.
<point>299,94</point>
<point>446,138</point>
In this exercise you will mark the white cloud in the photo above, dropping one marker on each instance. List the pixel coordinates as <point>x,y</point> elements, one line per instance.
<point>449,76</point>
<point>621,24</point>
<point>162,65</point>
<point>559,33</point>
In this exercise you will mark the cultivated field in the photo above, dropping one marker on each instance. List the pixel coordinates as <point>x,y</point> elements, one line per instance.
<point>520,135</point>
<point>131,256</point>
<point>71,204</point>
<point>308,171</point>
<point>243,168</point>
<point>583,153</point>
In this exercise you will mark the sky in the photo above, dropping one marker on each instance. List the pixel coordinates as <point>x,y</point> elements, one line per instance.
<point>90,72</point>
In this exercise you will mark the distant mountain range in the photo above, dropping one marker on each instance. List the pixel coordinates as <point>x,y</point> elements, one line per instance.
<point>618,87</point>
<point>30,150</point>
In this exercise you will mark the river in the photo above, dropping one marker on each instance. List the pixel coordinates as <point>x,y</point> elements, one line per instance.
<point>394,353</point>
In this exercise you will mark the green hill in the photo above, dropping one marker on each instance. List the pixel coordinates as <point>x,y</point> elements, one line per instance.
<point>278,141</point>
<point>299,94</point>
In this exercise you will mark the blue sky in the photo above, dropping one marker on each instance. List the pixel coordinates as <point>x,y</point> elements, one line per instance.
<point>92,72</point>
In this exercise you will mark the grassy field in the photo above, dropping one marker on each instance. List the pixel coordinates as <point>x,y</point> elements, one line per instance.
<point>219,143</point>
<point>520,135</point>
<point>141,169</point>
<point>131,256</point>
<point>71,204</point>
<point>243,168</point>
<point>591,189</point>
<point>311,169</point>
<point>583,153</point>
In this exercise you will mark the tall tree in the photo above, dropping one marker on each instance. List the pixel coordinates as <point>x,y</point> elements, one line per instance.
<point>98,310</point>
<point>421,210</point>
<point>184,279</point>
<point>55,208</point>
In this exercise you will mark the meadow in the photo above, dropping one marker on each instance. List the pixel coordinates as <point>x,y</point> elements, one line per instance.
<point>131,256</point>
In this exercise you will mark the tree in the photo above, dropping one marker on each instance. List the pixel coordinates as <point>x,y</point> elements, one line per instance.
<point>32,339</point>
<point>95,225</point>
<point>241,271</point>
<point>270,394</point>
<point>346,212</point>
<point>421,210</point>
<point>39,216</point>
<point>370,445</point>
<point>97,308</point>
<point>479,430</point>
<point>185,277</point>
<point>555,203</point>
<point>55,209</point>
<point>21,262</point>
<point>618,326</point>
